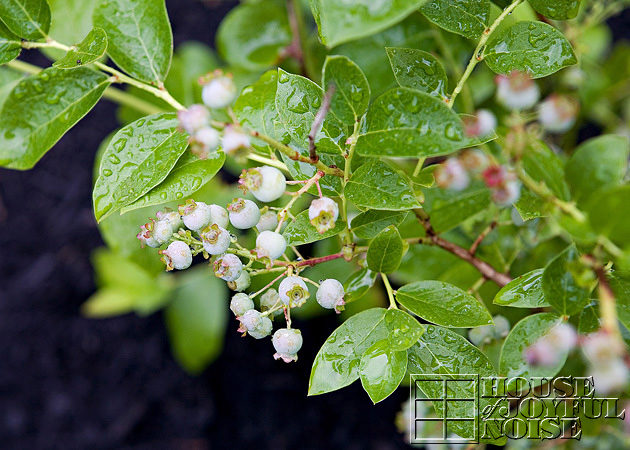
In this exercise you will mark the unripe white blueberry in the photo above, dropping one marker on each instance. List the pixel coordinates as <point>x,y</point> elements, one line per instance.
<point>177,256</point>
<point>240,304</point>
<point>548,350</point>
<point>323,213</point>
<point>243,213</point>
<point>557,113</point>
<point>270,244</point>
<point>610,377</point>
<point>216,240</point>
<point>208,137</point>
<point>147,236</point>
<point>219,92</point>
<point>601,348</point>
<point>483,123</point>
<point>255,324</point>
<point>228,267</point>
<point>330,294</point>
<point>451,174</point>
<point>474,160</point>
<point>268,221</point>
<point>241,283</point>
<point>162,231</point>
<point>266,183</point>
<point>517,91</point>
<point>501,326</point>
<point>196,215</point>
<point>287,342</point>
<point>172,217</point>
<point>480,335</point>
<point>219,215</point>
<point>269,300</point>
<point>507,194</point>
<point>234,140</point>
<point>194,118</point>
<point>293,291</point>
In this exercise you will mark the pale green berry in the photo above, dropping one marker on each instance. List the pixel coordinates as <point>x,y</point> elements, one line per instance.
<point>240,304</point>
<point>241,283</point>
<point>219,215</point>
<point>266,183</point>
<point>270,244</point>
<point>293,291</point>
<point>287,342</point>
<point>196,215</point>
<point>177,256</point>
<point>268,221</point>
<point>269,300</point>
<point>330,294</point>
<point>323,213</point>
<point>255,324</point>
<point>216,240</point>
<point>243,213</point>
<point>228,267</point>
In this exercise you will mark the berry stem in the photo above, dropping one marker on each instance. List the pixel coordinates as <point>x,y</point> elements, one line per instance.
<point>390,291</point>
<point>268,285</point>
<point>283,213</point>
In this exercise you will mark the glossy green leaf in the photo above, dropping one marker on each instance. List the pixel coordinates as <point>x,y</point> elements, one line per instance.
<point>621,288</point>
<point>339,22</point>
<point>410,123</point>
<point>91,49</point>
<point>64,12</point>
<point>556,9</point>
<point>254,35</point>
<point>29,19</point>
<point>41,108</point>
<point>523,292</point>
<point>300,231</point>
<point>352,91</point>
<point>139,34</point>
<point>331,186</point>
<point>371,222</point>
<point>377,185</point>
<point>598,163</point>
<point>533,47</point>
<point>418,70</point>
<point>357,284</point>
<point>589,319</point>
<point>449,208</point>
<point>559,285</point>
<point>443,304</point>
<point>10,45</point>
<point>9,78</point>
<point>468,18</point>
<point>137,159</point>
<point>600,208</point>
<point>183,181</point>
<point>512,362</point>
<point>385,251</point>
<point>404,330</point>
<point>382,370</point>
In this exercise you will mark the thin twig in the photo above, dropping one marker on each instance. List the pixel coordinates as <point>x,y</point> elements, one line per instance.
<point>318,122</point>
<point>481,237</point>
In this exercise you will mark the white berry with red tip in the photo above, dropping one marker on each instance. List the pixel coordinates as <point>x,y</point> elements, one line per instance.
<point>293,291</point>
<point>196,215</point>
<point>266,183</point>
<point>177,256</point>
<point>268,221</point>
<point>517,91</point>
<point>219,215</point>
<point>270,244</point>
<point>483,123</point>
<point>146,235</point>
<point>219,92</point>
<point>451,174</point>
<point>216,240</point>
<point>241,283</point>
<point>228,267</point>
<point>162,231</point>
<point>240,304</point>
<point>323,213</point>
<point>194,118</point>
<point>287,342</point>
<point>330,294</point>
<point>557,113</point>
<point>234,140</point>
<point>243,213</point>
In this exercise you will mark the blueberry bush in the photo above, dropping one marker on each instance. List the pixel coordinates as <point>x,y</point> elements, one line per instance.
<point>416,166</point>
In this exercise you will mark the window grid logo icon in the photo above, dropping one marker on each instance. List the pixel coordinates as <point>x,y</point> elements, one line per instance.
<point>454,399</point>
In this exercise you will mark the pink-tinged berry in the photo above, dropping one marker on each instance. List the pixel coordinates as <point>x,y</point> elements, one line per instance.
<point>266,183</point>
<point>557,113</point>
<point>243,213</point>
<point>268,221</point>
<point>216,240</point>
<point>162,231</point>
<point>208,138</point>
<point>240,304</point>
<point>330,295</point>
<point>451,174</point>
<point>241,283</point>
<point>219,91</point>
<point>517,90</point>
<point>507,194</point>
<point>194,118</point>
<point>505,187</point>
<point>270,299</point>
<point>196,215</point>
<point>255,324</point>
<point>473,160</point>
<point>228,267</point>
<point>234,140</point>
<point>293,292</point>
<point>610,377</point>
<point>171,217</point>
<point>177,256</point>
<point>270,244</point>
<point>601,347</point>
<point>549,348</point>
<point>219,216</point>
<point>323,213</point>
<point>146,235</point>
<point>287,342</point>
<point>483,123</point>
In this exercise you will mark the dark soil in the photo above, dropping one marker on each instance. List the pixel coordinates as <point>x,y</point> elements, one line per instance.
<point>69,382</point>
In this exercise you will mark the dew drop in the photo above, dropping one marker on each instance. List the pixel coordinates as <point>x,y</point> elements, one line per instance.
<point>283,77</point>
<point>178,195</point>
<point>114,159</point>
<point>107,172</point>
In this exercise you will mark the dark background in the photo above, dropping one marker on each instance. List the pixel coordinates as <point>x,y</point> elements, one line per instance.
<point>70,382</point>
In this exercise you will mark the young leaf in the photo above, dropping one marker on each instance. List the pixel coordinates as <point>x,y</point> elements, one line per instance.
<point>556,9</point>
<point>140,37</point>
<point>377,185</point>
<point>29,19</point>
<point>352,91</point>
<point>10,45</point>
<point>385,251</point>
<point>533,47</point>
<point>357,284</point>
<point>41,108</point>
<point>382,370</point>
<point>468,18</point>
<point>91,49</point>
<point>419,70</point>
<point>371,222</point>
<point>523,292</point>
<point>614,226</point>
<point>136,160</point>
<point>404,330</point>
<point>561,289</point>
<point>339,22</point>
<point>443,304</point>
<point>300,231</point>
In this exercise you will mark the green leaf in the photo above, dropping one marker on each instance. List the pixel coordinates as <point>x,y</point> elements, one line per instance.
<point>183,181</point>
<point>533,47</point>
<point>41,108</point>
<point>196,319</point>
<point>191,60</point>
<point>523,292</point>
<point>303,171</point>
<point>589,319</point>
<point>29,19</point>
<point>357,284</point>
<point>10,45</point>
<point>449,208</point>
<point>9,78</point>
<point>140,38</point>
<point>512,362</point>
<point>600,210</point>
<point>406,122</point>
<point>64,12</point>
<point>598,163</point>
<point>556,9</point>
<point>385,251</point>
<point>621,288</point>
<point>418,70</point>
<point>91,49</point>
<point>352,91</point>
<point>377,185</point>
<point>339,22</point>
<point>254,35</point>
<point>465,17</point>
<point>559,285</point>
<point>371,222</point>
<point>337,362</point>
<point>136,160</point>
<point>443,304</point>
<point>300,231</point>
<point>382,370</point>
<point>404,330</point>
